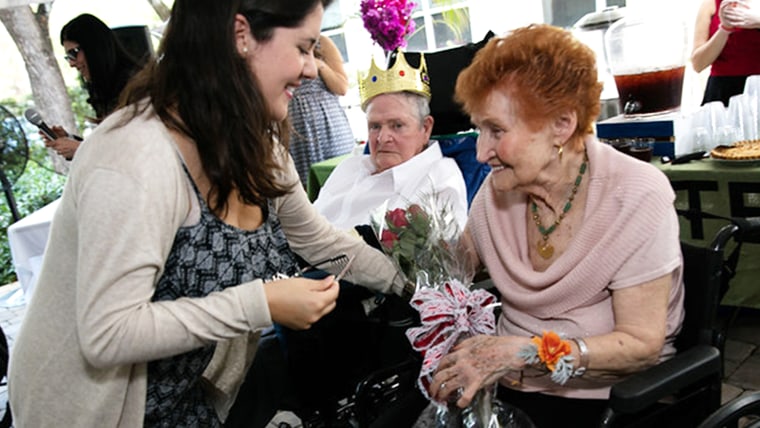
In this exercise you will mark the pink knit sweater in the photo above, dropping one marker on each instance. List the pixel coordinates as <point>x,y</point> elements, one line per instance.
<point>629,236</point>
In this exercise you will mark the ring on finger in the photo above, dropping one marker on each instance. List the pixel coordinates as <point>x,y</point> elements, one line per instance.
<point>443,386</point>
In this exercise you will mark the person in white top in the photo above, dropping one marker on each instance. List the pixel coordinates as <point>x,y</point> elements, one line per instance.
<point>403,166</point>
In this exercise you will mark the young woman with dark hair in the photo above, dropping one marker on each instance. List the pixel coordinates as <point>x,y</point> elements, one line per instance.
<point>103,63</point>
<point>174,242</point>
<point>104,67</point>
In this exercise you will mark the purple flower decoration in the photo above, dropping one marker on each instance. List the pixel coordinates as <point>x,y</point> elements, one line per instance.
<point>388,21</point>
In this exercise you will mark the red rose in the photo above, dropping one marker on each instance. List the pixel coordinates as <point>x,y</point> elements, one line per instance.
<point>415,209</point>
<point>417,213</point>
<point>387,239</point>
<point>396,218</point>
<point>419,220</point>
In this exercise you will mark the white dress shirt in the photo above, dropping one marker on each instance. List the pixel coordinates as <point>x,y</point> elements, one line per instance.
<point>353,191</point>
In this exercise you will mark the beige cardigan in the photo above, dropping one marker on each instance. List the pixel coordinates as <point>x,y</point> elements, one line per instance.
<point>80,355</point>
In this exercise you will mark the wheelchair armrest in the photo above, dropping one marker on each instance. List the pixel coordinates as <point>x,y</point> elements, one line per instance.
<point>749,228</point>
<point>744,229</point>
<point>645,388</point>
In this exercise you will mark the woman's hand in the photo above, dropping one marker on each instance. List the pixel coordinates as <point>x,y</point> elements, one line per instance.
<point>707,48</point>
<point>724,7</point>
<point>64,146</point>
<point>740,14</point>
<point>475,363</point>
<point>57,130</point>
<point>298,303</point>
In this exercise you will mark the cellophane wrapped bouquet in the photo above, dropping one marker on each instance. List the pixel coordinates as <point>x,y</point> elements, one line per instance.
<point>421,240</point>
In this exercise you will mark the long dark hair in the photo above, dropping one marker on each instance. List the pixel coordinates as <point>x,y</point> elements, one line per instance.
<point>109,63</point>
<point>202,87</point>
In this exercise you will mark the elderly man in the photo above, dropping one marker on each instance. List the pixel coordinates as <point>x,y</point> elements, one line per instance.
<point>403,166</point>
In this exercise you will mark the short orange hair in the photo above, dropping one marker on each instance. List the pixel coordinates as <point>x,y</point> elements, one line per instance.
<point>544,68</point>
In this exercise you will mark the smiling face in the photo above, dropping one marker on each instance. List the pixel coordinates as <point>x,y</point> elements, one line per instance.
<point>80,60</point>
<point>281,62</point>
<point>396,133</point>
<point>518,155</point>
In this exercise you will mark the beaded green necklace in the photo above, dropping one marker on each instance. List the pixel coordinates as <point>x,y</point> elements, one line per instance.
<point>543,247</point>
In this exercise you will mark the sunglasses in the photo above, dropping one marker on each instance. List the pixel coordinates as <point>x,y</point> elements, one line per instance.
<point>71,54</point>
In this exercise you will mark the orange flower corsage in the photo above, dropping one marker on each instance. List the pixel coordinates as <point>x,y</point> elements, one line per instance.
<point>552,352</point>
<point>551,348</point>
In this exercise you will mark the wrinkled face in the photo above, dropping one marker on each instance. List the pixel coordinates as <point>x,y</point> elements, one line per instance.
<point>395,131</point>
<point>281,62</point>
<point>76,58</point>
<point>517,155</point>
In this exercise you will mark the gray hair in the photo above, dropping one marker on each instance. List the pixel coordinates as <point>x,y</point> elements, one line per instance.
<point>421,103</point>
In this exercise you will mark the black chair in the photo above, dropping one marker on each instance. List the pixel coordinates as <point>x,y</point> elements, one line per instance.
<point>684,390</point>
<point>444,67</point>
<point>136,39</point>
<point>729,415</point>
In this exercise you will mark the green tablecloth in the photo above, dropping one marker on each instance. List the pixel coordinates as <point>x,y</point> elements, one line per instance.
<point>730,190</point>
<point>318,174</point>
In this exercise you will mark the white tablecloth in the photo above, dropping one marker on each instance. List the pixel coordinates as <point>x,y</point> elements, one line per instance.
<point>27,239</point>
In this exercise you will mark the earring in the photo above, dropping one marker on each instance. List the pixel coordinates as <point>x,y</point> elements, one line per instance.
<point>245,49</point>
<point>559,151</point>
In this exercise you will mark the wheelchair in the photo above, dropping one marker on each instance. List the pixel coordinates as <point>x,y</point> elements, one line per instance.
<point>680,392</point>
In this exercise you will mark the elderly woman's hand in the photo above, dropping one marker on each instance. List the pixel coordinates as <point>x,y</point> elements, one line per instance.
<point>475,363</point>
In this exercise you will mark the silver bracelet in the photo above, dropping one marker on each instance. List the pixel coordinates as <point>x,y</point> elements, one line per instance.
<point>583,351</point>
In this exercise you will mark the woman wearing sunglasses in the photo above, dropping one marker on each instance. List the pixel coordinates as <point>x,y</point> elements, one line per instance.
<point>174,242</point>
<point>104,67</point>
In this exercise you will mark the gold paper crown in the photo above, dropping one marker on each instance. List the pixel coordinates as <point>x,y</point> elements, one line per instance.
<point>401,77</point>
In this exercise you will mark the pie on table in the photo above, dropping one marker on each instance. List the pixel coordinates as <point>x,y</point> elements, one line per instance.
<point>742,150</point>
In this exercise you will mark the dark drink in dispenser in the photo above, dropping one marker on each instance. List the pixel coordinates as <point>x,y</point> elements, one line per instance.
<point>650,92</point>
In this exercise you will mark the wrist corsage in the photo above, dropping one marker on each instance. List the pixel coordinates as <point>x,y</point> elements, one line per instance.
<point>552,353</point>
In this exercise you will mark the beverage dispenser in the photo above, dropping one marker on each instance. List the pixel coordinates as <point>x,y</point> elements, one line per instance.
<point>647,57</point>
<point>590,30</point>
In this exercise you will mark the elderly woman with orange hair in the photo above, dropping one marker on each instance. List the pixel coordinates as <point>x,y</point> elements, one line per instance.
<point>580,240</point>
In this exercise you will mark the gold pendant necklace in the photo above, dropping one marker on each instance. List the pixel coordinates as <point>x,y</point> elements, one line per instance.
<point>544,248</point>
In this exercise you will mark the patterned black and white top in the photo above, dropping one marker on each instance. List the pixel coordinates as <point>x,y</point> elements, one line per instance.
<point>207,257</point>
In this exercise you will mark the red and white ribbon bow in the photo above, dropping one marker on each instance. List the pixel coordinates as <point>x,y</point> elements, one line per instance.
<point>447,314</point>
